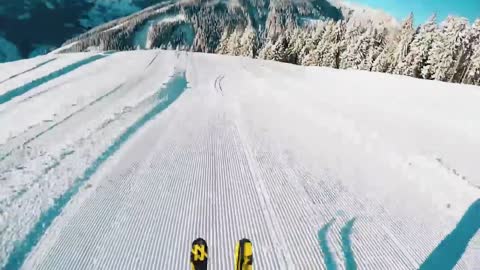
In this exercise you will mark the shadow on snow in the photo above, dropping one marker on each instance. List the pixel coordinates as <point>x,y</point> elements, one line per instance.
<point>444,257</point>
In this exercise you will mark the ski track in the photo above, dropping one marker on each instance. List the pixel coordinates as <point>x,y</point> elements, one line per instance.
<point>173,89</point>
<point>24,138</point>
<point>28,70</point>
<point>90,108</point>
<point>53,138</point>
<point>20,67</point>
<point>208,165</point>
<point>11,94</point>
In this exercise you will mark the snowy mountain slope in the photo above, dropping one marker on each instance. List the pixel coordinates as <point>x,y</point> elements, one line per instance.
<point>204,22</point>
<point>38,26</point>
<point>209,21</point>
<point>311,33</point>
<point>127,158</point>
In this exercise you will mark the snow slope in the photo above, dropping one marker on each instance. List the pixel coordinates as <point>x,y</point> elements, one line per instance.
<point>119,160</point>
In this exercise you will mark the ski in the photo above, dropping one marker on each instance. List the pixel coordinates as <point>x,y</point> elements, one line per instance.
<point>199,255</point>
<point>244,255</point>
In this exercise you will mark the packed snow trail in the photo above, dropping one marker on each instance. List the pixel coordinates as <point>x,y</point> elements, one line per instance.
<point>172,90</point>
<point>144,151</point>
<point>28,70</point>
<point>9,95</point>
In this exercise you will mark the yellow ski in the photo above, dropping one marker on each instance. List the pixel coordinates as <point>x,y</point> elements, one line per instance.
<point>244,255</point>
<point>199,255</point>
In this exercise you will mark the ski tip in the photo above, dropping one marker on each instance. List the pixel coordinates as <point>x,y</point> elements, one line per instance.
<point>199,254</point>
<point>199,241</point>
<point>244,255</point>
<point>244,241</point>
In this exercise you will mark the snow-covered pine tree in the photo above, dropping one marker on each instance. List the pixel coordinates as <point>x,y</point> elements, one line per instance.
<point>279,49</point>
<point>448,49</point>
<point>420,47</point>
<point>463,46</point>
<point>473,36</point>
<point>224,41</point>
<point>379,41</point>
<point>472,72</point>
<point>249,43</point>
<point>327,53</point>
<point>266,50</point>
<point>403,42</point>
<point>313,58</point>
<point>363,47</point>
<point>376,43</point>
<point>473,75</point>
<point>297,43</point>
<point>386,57</point>
<point>234,42</point>
<point>312,39</point>
<point>396,47</point>
<point>332,58</point>
<point>353,31</point>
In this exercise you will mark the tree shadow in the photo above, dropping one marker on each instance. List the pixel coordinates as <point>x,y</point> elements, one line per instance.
<point>347,250</point>
<point>346,234</point>
<point>444,257</point>
<point>327,253</point>
<point>447,254</point>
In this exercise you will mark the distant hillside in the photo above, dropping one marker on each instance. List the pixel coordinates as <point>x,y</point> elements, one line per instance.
<point>33,27</point>
<point>200,25</point>
<point>300,32</point>
<point>37,26</point>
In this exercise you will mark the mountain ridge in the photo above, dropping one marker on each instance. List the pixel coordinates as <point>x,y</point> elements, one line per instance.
<point>24,23</point>
<point>266,18</point>
<point>314,33</point>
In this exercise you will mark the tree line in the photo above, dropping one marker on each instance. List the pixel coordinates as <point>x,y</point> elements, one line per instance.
<point>449,51</point>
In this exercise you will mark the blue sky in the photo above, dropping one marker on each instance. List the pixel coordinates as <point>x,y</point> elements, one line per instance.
<point>424,8</point>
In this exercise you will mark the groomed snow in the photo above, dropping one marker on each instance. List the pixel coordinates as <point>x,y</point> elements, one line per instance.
<point>122,162</point>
